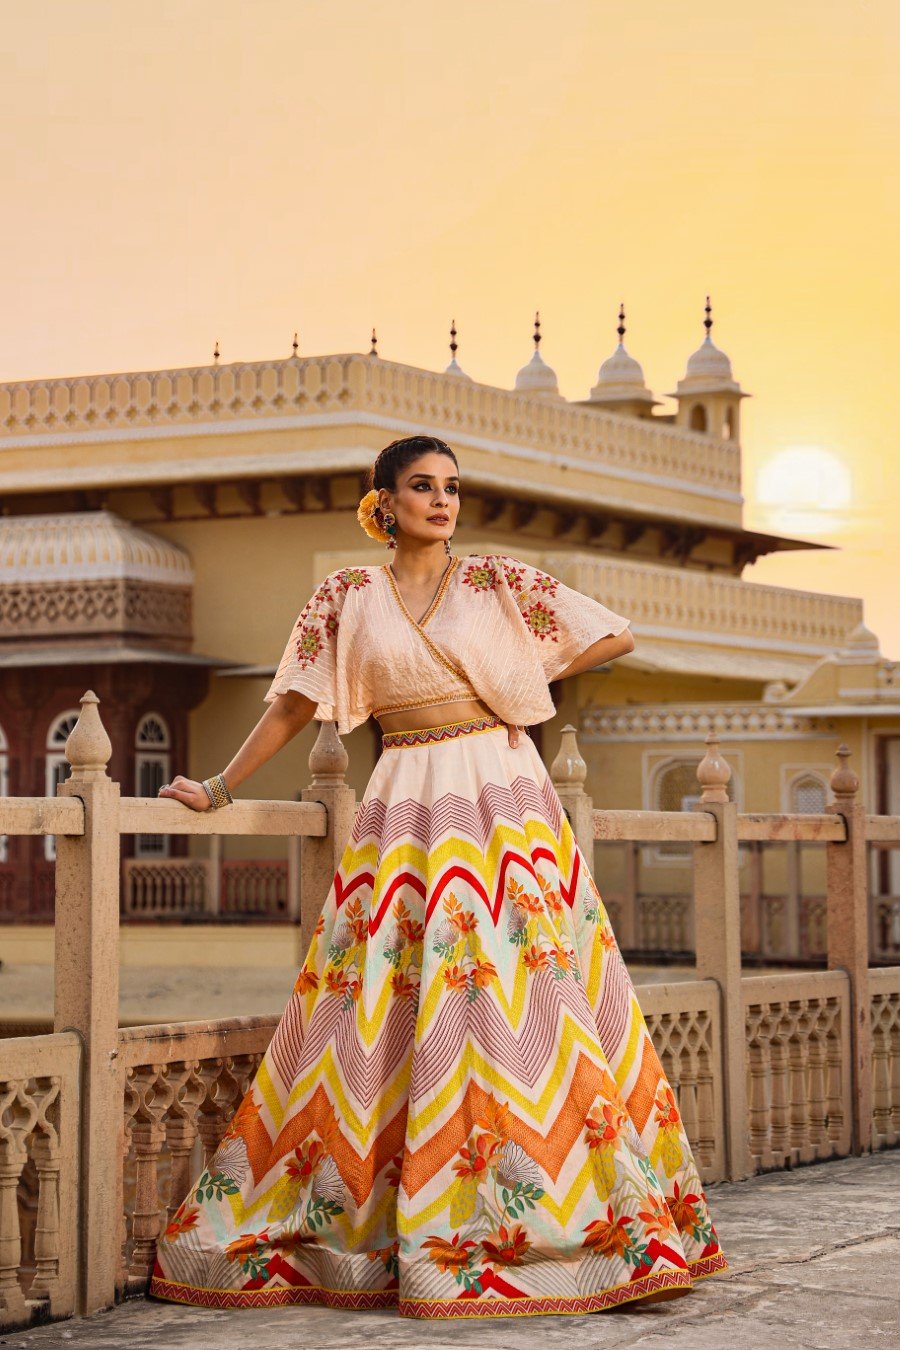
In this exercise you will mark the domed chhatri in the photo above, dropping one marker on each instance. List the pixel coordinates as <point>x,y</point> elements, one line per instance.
<point>708,394</point>
<point>620,381</point>
<point>537,378</point>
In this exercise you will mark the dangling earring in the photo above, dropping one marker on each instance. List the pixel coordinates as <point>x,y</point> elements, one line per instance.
<point>389,520</point>
<point>447,548</point>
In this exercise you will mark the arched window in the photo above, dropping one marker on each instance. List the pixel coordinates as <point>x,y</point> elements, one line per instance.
<point>4,787</point>
<point>698,417</point>
<point>729,423</point>
<point>57,767</point>
<point>809,795</point>
<point>152,761</point>
<point>676,788</point>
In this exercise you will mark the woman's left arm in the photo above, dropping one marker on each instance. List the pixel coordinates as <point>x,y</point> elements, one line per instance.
<point>605,649</point>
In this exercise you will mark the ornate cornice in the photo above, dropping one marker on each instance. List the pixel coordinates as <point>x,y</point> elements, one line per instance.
<point>684,722</point>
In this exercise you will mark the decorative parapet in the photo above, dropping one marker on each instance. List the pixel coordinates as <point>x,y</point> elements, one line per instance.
<point>692,722</point>
<point>701,607</point>
<point>241,395</point>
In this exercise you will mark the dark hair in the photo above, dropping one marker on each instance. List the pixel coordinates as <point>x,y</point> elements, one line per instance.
<point>397,456</point>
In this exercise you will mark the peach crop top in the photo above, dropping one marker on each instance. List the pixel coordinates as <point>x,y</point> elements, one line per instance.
<point>497,629</point>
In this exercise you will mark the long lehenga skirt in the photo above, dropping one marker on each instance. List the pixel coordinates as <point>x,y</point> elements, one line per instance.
<point>461,1112</point>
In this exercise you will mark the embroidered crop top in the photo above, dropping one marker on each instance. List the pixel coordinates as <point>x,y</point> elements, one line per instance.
<point>497,629</point>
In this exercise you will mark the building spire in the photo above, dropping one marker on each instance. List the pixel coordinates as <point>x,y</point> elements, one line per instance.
<point>454,367</point>
<point>621,328</point>
<point>374,349</point>
<point>216,353</point>
<point>295,346</point>
<point>537,330</point>
<point>707,322</point>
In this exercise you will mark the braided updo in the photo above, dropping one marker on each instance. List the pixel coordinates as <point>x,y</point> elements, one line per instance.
<point>397,456</point>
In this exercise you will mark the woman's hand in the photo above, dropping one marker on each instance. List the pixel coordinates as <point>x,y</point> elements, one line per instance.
<point>513,732</point>
<point>186,791</point>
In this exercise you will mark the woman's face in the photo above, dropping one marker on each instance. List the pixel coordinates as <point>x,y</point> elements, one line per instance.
<point>426,498</point>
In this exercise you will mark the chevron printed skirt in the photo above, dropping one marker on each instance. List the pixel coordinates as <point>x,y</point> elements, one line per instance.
<point>461,1113</point>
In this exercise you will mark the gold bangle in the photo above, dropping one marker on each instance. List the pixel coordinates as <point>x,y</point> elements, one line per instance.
<point>217,791</point>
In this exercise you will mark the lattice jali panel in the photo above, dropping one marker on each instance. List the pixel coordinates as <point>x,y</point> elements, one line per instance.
<point>39,1091</point>
<point>798,1068</point>
<point>683,1021</point>
<point>885,1005</point>
<point>182,1085</point>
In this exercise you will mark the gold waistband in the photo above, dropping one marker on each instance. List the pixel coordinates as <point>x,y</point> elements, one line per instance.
<point>400,740</point>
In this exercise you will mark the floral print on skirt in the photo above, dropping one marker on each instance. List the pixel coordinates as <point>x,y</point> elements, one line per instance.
<point>461,1113</point>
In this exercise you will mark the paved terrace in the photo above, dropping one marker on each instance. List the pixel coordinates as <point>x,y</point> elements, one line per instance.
<point>815,1259</point>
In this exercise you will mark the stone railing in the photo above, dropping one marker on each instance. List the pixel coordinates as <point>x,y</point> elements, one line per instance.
<point>98,1121</point>
<point>798,1072</point>
<point>268,391</point>
<point>783,915</point>
<point>182,1085</point>
<point>684,1022</point>
<point>191,888</point>
<point>701,607</point>
<point>166,888</point>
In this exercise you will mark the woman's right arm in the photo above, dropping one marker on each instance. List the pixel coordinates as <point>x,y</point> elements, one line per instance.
<point>280,723</point>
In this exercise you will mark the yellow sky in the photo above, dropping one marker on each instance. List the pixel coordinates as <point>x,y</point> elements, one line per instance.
<point>184,171</point>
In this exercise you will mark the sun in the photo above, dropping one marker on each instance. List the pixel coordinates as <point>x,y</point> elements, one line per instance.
<point>805,488</point>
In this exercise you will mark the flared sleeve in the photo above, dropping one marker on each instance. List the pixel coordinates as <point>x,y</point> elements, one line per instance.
<point>309,663</point>
<point>561,622</point>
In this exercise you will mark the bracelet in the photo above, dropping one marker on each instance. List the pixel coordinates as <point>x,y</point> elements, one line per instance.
<point>216,790</point>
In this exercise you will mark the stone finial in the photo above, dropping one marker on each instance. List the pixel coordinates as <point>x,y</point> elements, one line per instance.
<point>568,770</point>
<point>216,353</point>
<point>88,748</point>
<point>844,782</point>
<point>374,350</point>
<point>295,346</point>
<point>328,760</point>
<point>713,772</point>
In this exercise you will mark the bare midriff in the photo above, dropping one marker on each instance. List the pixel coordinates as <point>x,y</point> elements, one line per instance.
<point>434,715</point>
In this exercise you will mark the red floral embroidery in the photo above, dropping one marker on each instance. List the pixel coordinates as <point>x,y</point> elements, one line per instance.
<point>542,621</point>
<point>480,576</point>
<point>351,579</point>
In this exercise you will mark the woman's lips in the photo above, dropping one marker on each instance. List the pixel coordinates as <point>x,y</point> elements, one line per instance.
<point>439,520</point>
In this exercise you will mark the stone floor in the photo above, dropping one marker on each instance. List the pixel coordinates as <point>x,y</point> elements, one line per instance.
<point>815,1265</point>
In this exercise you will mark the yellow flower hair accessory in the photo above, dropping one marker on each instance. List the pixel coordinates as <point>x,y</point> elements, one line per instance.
<point>366,515</point>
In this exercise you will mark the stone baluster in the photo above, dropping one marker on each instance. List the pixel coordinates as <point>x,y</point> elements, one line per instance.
<point>779,1119</point>
<point>214,1112</point>
<point>835,1095</point>
<point>798,1119</point>
<point>759,1089</point>
<point>717,925</point>
<point>847,924</point>
<point>13,1133</point>
<point>816,1089</point>
<point>181,1127</point>
<point>320,857</point>
<point>148,1135</point>
<point>45,1153</point>
<point>87,994</point>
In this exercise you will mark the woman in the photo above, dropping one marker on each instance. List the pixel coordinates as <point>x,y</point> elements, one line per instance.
<point>460,1112</point>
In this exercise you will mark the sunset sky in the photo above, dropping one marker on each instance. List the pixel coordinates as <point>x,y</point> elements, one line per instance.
<point>183,171</point>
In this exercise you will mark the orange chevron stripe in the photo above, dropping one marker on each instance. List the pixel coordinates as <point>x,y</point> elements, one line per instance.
<point>358,1172</point>
<point>422,1164</point>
